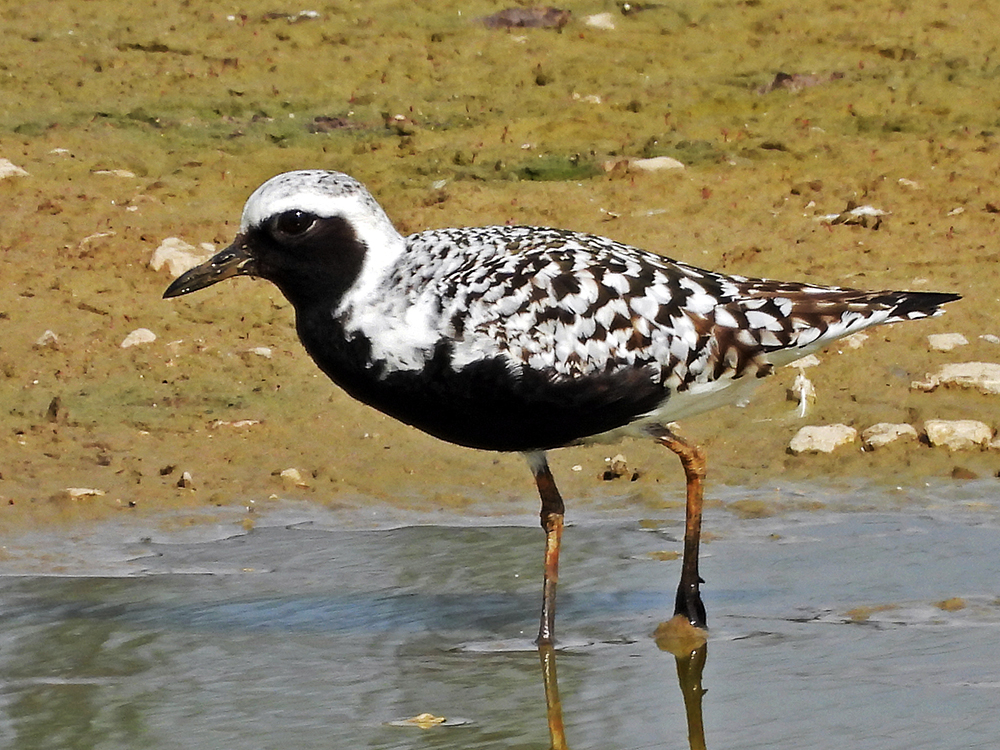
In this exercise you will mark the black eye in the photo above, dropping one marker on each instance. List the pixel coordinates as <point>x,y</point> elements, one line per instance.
<point>292,223</point>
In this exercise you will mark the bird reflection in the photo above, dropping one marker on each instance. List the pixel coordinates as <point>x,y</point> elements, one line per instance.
<point>688,644</point>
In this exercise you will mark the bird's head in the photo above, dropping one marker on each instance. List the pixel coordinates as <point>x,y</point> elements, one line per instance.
<point>312,233</point>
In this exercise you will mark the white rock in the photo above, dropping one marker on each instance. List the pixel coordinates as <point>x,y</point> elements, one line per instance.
<point>76,493</point>
<point>10,169</point>
<point>604,21</point>
<point>47,340</point>
<point>990,338</point>
<point>656,164</point>
<point>958,434</point>
<point>822,438</point>
<point>945,342</point>
<point>179,256</point>
<point>883,433</point>
<point>983,376</point>
<point>262,351</point>
<point>139,336</point>
<point>293,478</point>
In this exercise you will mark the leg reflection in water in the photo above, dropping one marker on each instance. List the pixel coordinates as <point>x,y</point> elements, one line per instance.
<point>688,644</point>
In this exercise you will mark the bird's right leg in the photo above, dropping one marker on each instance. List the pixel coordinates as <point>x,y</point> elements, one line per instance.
<point>552,521</point>
<point>688,602</point>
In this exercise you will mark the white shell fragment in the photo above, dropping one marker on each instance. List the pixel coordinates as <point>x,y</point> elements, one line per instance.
<point>10,169</point>
<point>883,433</point>
<point>179,256</point>
<point>139,336</point>
<point>945,342</point>
<point>78,493</point>
<point>804,392</point>
<point>292,478</point>
<point>47,340</point>
<point>604,21</point>
<point>958,434</point>
<point>983,376</point>
<point>822,438</point>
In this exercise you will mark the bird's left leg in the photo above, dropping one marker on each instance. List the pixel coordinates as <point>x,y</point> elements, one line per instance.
<point>552,522</point>
<point>688,602</point>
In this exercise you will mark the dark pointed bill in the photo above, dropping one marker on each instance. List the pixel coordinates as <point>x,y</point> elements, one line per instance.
<point>235,260</point>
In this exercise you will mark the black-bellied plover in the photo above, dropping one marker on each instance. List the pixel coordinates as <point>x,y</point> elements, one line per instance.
<point>513,338</point>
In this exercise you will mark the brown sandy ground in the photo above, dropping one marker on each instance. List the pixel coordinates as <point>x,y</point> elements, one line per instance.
<point>136,123</point>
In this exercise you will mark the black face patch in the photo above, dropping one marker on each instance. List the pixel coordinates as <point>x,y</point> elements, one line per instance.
<point>312,259</point>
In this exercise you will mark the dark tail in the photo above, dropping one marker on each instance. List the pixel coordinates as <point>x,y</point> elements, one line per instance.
<point>913,305</point>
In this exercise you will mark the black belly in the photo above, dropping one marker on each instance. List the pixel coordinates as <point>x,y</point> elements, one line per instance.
<point>486,405</point>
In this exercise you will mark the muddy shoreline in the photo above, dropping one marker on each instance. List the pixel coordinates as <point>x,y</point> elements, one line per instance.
<point>134,125</point>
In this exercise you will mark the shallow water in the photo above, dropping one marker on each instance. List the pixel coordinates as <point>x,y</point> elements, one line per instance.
<point>316,630</point>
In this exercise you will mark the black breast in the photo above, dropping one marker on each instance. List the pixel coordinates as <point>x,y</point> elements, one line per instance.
<point>486,404</point>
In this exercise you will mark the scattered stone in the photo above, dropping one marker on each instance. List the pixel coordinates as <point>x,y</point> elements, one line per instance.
<point>990,338</point>
<point>10,169</point>
<point>261,351</point>
<point>960,472</point>
<point>855,215</point>
<point>538,18</point>
<point>907,183</point>
<point>78,493</point>
<point>983,376</point>
<point>186,481</point>
<point>945,342</point>
<point>883,433</point>
<point>588,98</point>
<point>292,478</point>
<point>603,21</point>
<point>618,468</point>
<point>179,256</point>
<point>139,336</point>
<point>47,340</point>
<point>656,164</point>
<point>958,434</point>
<point>822,438</point>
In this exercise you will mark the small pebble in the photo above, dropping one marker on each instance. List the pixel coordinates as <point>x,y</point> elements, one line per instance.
<point>139,336</point>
